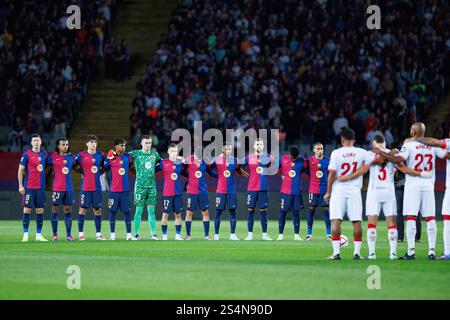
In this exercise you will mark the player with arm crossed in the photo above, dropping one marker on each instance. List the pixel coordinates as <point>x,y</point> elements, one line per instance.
<point>62,163</point>
<point>31,178</point>
<point>145,162</point>
<point>444,144</point>
<point>197,191</point>
<point>292,166</point>
<point>419,191</point>
<point>346,195</point>
<point>318,177</point>
<point>226,166</point>
<point>258,187</point>
<point>91,163</point>
<point>117,166</point>
<point>380,196</point>
<point>172,196</point>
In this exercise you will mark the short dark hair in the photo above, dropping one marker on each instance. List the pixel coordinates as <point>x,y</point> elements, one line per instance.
<point>294,152</point>
<point>347,134</point>
<point>36,136</point>
<point>57,143</point>
<point>316,144</point>
<point>145,137</point>
<point>171,145</point>
<point>91,137</point>
<point>379,138</point>
<point>119,141</point>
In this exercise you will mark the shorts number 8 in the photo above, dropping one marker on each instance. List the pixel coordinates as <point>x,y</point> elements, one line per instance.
<point>110,203</point>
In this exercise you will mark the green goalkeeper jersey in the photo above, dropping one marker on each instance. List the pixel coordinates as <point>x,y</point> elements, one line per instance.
<point>145,163</point>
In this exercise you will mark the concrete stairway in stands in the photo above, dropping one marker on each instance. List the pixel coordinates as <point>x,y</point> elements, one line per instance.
<point>438,114</point>
<point>106,109</point>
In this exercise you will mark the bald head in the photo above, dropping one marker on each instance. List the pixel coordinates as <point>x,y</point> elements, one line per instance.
<point>418,130</point>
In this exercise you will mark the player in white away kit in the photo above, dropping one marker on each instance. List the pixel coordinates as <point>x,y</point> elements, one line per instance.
<point>345,196</point>
<point>419,191</point>
<point>445,144</point>
<point>381,196</point>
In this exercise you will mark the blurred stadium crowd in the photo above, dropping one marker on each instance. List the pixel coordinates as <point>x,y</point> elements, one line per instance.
<point>305,67</point>
<point>44,67</point>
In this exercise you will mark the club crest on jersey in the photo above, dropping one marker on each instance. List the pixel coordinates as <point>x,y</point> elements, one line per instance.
<point>148,165</point>
<point>94,169</point>
<point>121,171</point>
<point>226,173</point>
<point>65,170</point>
<point>319,174</point>
<point>173,176</point>
<point>292,164</point>
<point>259,170</point>
<point>198,174</point>
<point>292,173</point>
<point>319,165</point>
<point>93,160</point>
<point>40,167</point>
<point>173,167</point>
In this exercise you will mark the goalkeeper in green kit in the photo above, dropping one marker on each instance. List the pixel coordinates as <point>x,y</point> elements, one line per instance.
<point>144,161</point>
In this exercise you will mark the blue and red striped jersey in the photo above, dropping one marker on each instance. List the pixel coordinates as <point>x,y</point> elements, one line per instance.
<point>90,166</point>
<point>226,167</point>
<point>257,165</point>
<point>318,174</point>
<point>292,171</point>
<point>172,177</point>
<point>34,163</point>
<point>118,176</point>
<point>62,171</point>
<point>196,173</point>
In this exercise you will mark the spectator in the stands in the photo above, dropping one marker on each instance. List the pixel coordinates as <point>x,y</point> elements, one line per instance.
<point>338,123</point>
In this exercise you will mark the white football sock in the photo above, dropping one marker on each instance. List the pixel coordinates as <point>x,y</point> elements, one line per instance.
<point>357,245</point>
<point>446,237</point>
<point>411,235</point>
<point>431,233</point>
<point>393,236</point>
<point>98,234</point>
<point>81,234</point>
<point>336,247</point>
<point>371,239</point>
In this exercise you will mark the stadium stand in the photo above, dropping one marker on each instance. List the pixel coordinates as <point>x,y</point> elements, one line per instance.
<point>45,69</point>
<point>305,67</point>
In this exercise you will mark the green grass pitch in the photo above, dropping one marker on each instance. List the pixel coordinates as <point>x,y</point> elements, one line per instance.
<point>199,269</point>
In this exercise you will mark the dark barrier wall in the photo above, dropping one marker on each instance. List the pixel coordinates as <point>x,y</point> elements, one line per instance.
<point>10,208</point>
